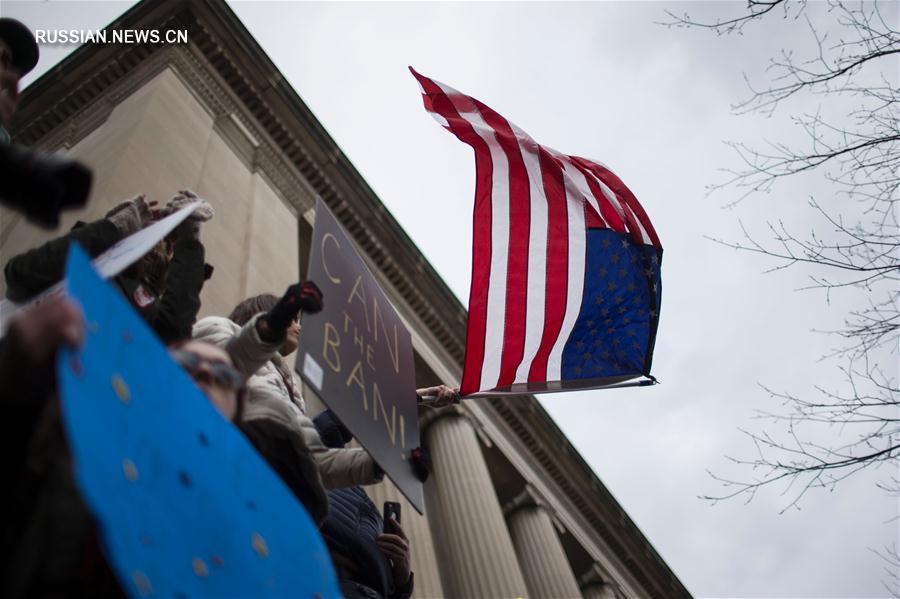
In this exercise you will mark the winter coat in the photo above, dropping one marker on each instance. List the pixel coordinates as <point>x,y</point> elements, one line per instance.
<point>274,393</point>
<point>170,315</point>
<point>353,524</point>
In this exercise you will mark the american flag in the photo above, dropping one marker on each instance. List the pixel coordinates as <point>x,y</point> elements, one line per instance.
<point>566,285</point>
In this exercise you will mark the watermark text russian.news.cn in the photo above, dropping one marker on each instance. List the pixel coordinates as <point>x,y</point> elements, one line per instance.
<point>65,37</point>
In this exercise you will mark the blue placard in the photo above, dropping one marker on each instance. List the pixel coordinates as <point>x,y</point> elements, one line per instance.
<point>185,505</point>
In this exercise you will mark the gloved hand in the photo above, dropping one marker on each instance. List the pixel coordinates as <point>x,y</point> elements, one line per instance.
<point>421,463</point>
<point>132,215</point>
<point>304,296</point>
<point>184,197</point>
<point>309,296</point>
<point>190,228</point>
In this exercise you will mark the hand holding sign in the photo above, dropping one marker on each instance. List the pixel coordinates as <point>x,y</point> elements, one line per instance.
<point>190,228</point>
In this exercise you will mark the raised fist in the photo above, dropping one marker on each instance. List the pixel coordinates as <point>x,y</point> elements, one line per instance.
<point>309,296</point>
<point>303,296</point>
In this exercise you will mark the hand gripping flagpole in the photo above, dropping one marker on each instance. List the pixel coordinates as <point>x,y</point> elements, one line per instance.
<point>429,400</point>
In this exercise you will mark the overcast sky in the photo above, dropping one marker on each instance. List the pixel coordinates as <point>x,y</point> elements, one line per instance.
<point>602,80</point>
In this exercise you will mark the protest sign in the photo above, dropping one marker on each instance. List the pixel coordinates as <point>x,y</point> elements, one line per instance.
<point>114,260</point>
<point>357,355</point>
<point>185,505</point>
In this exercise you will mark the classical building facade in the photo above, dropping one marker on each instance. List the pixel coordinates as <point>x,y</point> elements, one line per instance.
<point>512,510</point>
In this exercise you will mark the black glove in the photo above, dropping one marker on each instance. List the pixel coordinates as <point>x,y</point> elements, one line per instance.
<point>303,296</point>
<point>421,463</point>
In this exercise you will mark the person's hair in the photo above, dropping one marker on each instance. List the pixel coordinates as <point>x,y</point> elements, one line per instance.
<point>252,306</point>
<point>156,268</point>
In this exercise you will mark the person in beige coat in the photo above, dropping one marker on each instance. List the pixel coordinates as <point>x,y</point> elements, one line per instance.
<point>258,347</point>
<point>258,333</point>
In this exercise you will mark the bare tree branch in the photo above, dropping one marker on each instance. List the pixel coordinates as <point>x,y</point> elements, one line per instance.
<point>756,10</point>
<point>817,439</point>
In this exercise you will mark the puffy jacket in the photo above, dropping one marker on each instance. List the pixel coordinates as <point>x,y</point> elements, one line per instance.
<point>353,524</point>
<point>274,393</point>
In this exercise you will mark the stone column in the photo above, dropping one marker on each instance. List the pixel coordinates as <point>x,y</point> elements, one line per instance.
<point>541,554</point>
<point>482,561</point>
<point>595,585</point>
<point>599,590</point>
<point>427,576</point>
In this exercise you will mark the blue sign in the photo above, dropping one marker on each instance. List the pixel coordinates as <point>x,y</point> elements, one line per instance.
<point>185,505</point>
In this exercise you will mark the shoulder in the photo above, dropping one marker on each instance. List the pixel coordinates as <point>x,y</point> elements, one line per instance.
<point>215,329</point>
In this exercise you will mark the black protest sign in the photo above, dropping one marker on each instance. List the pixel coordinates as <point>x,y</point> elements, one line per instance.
<point>357,354</point>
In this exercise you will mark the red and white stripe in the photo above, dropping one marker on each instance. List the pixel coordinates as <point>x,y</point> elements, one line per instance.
<point>528,263</point>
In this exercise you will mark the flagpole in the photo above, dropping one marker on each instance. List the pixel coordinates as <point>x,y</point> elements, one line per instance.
<point>427,400</point>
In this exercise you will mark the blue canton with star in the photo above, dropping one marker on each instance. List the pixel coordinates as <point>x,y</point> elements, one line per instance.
<point>619,311</point>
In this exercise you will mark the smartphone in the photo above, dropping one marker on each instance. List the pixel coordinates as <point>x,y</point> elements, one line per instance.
<point>391,508</point>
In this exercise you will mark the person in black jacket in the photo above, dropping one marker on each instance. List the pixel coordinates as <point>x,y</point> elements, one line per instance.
<point>164,286</point>
<point>370,564</point>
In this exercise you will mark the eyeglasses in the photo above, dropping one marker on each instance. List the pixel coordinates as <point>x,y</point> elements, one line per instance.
<point>216,372</point>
